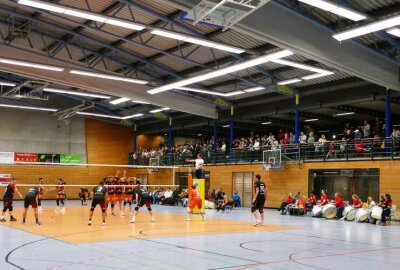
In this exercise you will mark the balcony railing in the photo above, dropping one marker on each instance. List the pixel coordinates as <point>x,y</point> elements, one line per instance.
<point>365,149</point>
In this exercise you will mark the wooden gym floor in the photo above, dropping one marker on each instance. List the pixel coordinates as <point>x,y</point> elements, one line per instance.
<point>223,241</point>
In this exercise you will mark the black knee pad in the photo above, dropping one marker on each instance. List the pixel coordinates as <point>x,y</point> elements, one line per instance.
<point>10,208</point>
<point>112,205</point>
<point>91,209</point>
<point>136,208</point>
<point>103,210</point>
<point>253,209</point>
<point>124,203</point>
<point>4,210</point>
<point>149,208</point>
<point>261,211</point>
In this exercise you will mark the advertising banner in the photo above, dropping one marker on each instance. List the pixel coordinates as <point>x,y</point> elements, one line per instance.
<point>71,159</point>
<point>7,157</point>
<point>26,157</point>
<point>49,158</point>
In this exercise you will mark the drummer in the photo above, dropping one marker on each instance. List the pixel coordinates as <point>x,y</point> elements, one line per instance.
<point>356,201</point>
<point>324,197</point>
<point>301,205</point>
<point>387,208</point>
<point>339,204</point>
<point>312,200</point>
<point>369,205</point>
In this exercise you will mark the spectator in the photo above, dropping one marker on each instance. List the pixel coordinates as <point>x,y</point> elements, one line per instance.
<point>367,129</point>
<point>236,199</point>
<point>357,135</point>
<point>303,137</point>
<point>312,200</point>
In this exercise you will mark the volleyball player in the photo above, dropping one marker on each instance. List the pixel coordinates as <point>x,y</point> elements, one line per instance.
<point>259,200</point>
<point>31,199</point>
<point>142,198</point>
<point>128,193</point>
<point>111,194</point>
<point>8,200</point>
<point>41,192</point>
<point>60,195</point>
<point>119,196</point>
<point>99,198</point>
<point>195,200</point>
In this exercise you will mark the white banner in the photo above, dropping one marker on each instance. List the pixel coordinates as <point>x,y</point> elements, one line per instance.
<point>5,179</point>
<point>6,157</point>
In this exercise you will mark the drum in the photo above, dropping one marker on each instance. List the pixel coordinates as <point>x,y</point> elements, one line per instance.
<point>329,211</point>
<point>361,215</point>
<point>316,211</point>
<point>349,213</point>
<point>377,212</point>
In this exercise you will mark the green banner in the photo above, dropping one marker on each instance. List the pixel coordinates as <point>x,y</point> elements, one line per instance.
<point>71,159</point>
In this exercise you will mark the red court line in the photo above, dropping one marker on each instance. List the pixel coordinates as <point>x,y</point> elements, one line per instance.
<point>317,257</point>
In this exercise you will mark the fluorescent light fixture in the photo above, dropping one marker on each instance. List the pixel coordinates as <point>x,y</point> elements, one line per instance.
<point>159,110</point>
<point>42,5</point>
<point>7,84</point>
<point>74,93</point>
<point>323,131</point>
<point>397,125</point>
<point>132,116</point>
<point>111,116</point>
<point>82,14</point>
<point>195,40</point>
<point>368,28</point>
<point>199,134</point>
<point>226,126</point>
<point>316,75</point>
<point>28,108</point>
<point>235,93</point>
<point>105,76</point>
<point>266,123</point>
<point>289,81</point>
<point>140,102</point>
<point>311,120</point>
<point>301,66</point>
<point>29,64</point>
<point>336,9</point>
<point>254,89</point>
<point>394,32</point>
<point>213,74</point>
<point>119,100</point>
<point>342,114</point>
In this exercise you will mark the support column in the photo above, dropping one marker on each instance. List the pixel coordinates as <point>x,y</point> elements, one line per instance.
<point>387,119</point>
<point>231,127</point>
<point>134,138</point>
<point>170,135</point>
<point>296,119</point>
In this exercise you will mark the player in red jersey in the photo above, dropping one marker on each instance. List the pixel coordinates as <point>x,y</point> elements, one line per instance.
<point>41,190</point>
<point>60,195</point>
<point>195,200</point>
<point>128,193</point>
<point>324,197</point>
<point>111,194</point>
<point>8,200</point>
<point>119,196</point>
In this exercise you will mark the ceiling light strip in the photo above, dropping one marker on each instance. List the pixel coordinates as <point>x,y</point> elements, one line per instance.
<point>110,116</point>
<point>336,9</point>
<point>29,64</point>
<point>82,14</point>
<point>289,81</point>
<point>311,120</point>
<point>159,110</point>
<point>368,28</point>
<point>108,77</point>
<point>74,93</point>
<point>119,100</point>
<point>7,84</point>
<point>28,108</point>
<point>210,75</point>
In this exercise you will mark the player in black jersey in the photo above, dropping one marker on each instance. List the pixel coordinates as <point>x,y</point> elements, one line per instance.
<point>31,199</point>
<point>142,198</point>
<point>98,198</point>
<point>260,190</point>
<point>8,200</point>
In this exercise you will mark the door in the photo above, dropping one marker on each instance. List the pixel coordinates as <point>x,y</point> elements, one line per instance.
<point>243,183</point>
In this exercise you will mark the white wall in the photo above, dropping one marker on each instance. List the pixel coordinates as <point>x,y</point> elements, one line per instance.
<point>40,132</point>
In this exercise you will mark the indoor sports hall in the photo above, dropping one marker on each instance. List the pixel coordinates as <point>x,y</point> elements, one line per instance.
<point>199,134</point>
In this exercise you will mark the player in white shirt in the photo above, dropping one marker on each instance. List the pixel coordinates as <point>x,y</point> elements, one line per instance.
<point>199,163</point>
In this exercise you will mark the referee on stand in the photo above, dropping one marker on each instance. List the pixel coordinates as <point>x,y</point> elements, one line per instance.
<point>199,164</point>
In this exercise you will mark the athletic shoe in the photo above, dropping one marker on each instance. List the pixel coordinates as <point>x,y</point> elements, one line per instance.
<point>40,208</point>
<point>3,220</point>
<point>38,223</point>
<point>203,218</point>
<point>384,224</point>
<point>257,223</point>
<point>23,222</point>
<point>123,214</point>
<point>103,224</point>
<point>187,219</point>
<point>152,220</point>
<point>132,220</point>
<point>13,219</point>
<point>112,213</point>
<point>89,223</point>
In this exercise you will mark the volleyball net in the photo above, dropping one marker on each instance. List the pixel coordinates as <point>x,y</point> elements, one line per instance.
<point>83,176</point>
